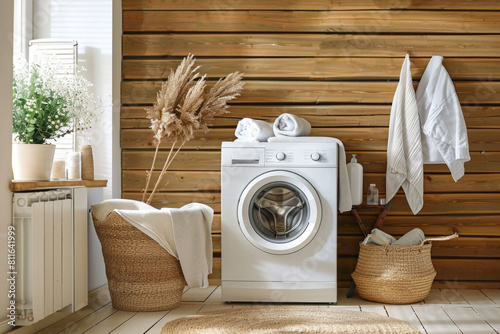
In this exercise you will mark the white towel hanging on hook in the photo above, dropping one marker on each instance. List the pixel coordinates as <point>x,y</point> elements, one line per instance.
<point>404,150</point>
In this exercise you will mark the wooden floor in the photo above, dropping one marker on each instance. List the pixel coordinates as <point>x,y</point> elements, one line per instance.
<point>444,311</point>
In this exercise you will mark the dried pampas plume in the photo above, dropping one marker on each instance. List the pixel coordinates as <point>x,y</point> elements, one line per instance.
<point>183,105</point>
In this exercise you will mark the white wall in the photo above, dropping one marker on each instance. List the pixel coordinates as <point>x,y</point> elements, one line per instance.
<point>90,22</point>
<point>6,33</point>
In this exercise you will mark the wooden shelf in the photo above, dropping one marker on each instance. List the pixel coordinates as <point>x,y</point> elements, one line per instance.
<point>30,185</point>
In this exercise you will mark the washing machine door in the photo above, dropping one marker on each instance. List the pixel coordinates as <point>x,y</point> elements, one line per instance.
<point>279,212</point>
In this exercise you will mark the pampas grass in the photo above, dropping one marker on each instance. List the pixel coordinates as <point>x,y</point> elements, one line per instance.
<point>183,105</point>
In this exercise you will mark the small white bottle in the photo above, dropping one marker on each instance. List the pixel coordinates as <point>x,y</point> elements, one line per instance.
<point>355,172</point>
<point>372,198</point>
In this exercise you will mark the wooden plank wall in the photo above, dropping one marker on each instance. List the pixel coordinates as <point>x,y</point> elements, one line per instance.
<point>335,63</point>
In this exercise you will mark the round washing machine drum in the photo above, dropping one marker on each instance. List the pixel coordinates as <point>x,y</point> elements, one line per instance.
<point>279,212</point>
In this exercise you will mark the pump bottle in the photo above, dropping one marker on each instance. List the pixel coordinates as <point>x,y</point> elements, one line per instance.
<point>355,172</point>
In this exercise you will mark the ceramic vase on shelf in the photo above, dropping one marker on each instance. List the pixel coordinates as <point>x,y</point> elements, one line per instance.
<point>32,162</point>
<point>87,158</point>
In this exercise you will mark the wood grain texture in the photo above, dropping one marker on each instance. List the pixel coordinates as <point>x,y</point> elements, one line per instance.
<point>355,138</point>
<point>464,247</point>
<point>319,116</point>
<point>460,247</point>
<point>307,5</point>
<point>309,45</point>
<point>30,185</point>
<point>133,180</point>
<point>337,65</point>
<point>314,92</point>
<point>434,204</point>
<point>448,270</point>
<point>313,21</point>
<point>328,68</point>
<point>473,225</point>
<point>437,225</point>
<point>372,161</point>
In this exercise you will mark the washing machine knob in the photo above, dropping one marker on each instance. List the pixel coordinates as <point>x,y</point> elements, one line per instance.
<point>280,156</point>
<point>315,156</point>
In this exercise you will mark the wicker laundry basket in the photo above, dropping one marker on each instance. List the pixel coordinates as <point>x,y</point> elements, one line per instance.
<point>142,275</point>
<point>395,275</point>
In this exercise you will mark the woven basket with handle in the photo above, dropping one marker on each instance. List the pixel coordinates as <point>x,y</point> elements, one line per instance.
<point>396,275</point>
<point>142,275</point>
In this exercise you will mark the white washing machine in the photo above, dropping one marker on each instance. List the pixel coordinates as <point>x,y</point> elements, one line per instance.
<point>279,222</point>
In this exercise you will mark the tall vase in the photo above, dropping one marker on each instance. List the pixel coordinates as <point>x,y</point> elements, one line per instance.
<point>32,162</point>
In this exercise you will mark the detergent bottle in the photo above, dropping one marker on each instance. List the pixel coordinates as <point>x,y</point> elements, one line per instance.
<point>355,172</point>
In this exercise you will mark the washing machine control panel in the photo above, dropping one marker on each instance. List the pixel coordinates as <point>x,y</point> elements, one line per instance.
<point>279,155</point>
<point>298,156</point>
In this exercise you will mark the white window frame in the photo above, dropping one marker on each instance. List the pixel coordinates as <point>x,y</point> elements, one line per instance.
<point>23,27</point>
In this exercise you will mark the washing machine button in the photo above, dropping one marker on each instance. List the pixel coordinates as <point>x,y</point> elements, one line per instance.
<point>280,156</point>
<point>315,156</point>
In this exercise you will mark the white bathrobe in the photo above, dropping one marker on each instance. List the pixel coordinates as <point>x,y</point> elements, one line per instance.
<point>404,148</point>
<point>444,133</point>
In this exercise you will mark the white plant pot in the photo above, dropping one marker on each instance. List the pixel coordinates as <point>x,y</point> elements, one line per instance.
<point>32,162</point>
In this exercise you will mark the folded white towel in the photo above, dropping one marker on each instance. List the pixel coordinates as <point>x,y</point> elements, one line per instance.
<point>253,130</point>
<point>444,133</point>
<point>192,225</point>
<point>404,148</point>
<point>291,126</point>
<point>344,190</point>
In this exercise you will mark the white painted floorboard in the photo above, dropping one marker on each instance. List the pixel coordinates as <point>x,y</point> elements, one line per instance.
<point>445,311</point>
<point>140,322</point>
<point>454,297</point>
<point>90,320</point>
<point>435,320</point>
<point>494,295</point>
<point>111,323</point>
<point>476,297</point>
<point>436,297</point>
<point>197,294</point>
<point>405,313</point>
<point>182,311</point>
<point>467,320</point>
<point>490,315</point>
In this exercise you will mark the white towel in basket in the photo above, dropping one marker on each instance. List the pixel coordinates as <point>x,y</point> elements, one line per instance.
<point>184,233</point>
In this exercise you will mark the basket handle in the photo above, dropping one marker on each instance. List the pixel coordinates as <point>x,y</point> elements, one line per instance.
<point>381,240</point>
<point>443,238</point>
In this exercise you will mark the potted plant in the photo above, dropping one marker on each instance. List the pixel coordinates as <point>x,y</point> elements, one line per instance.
<point>47,105</point>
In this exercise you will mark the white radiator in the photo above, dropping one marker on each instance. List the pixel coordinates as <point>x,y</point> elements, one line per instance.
<point>51,252</point>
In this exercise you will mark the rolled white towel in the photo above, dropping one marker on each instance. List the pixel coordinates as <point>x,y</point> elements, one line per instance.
<point>291,126</point>
<point>249,129</point>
